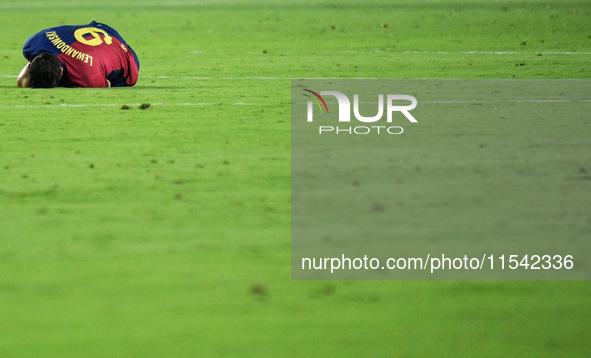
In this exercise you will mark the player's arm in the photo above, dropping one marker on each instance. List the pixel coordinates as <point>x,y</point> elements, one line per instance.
<point>23,79</point>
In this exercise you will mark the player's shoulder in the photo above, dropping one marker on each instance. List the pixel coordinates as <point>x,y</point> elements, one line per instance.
<point>102,26</point>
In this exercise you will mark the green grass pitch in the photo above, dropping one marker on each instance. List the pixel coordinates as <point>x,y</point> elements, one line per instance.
<point>165,232</point>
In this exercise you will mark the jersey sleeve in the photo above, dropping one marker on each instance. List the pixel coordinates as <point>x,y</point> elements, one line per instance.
<point>37,44</point>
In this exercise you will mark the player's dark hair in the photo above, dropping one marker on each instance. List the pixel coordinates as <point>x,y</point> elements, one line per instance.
<point>44,71</point>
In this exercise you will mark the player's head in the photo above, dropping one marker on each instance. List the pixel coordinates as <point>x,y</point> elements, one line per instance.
<point>45,71</point>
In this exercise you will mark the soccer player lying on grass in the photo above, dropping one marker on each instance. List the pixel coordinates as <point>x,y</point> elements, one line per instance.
<point>92,55</point>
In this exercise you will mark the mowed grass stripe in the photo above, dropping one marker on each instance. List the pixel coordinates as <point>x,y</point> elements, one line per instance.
<point>64,105</point>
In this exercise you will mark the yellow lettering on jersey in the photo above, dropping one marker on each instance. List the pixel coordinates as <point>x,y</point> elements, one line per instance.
<point>51,35</point>
<point>96,39</point>
<point>69,51</point>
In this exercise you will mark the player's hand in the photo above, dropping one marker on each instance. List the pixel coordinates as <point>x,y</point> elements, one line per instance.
<point>23,79</point>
